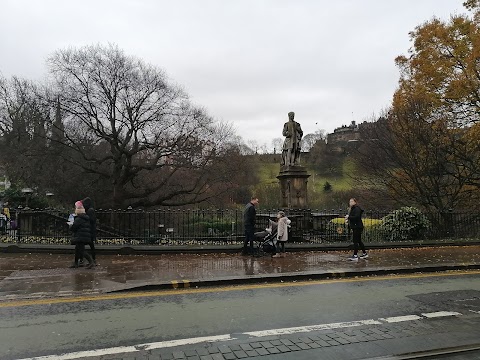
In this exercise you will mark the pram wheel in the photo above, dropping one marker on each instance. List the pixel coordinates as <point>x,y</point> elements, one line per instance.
<point>266,242</point>
<point>267,246</point>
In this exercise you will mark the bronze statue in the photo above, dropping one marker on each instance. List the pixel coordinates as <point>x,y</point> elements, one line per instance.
<point>291,147</point>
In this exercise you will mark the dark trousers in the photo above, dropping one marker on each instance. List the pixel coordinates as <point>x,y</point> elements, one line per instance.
<point>279,248</point>
<point>248,242</point>
<point>80,253</point>
<point>357,241</point>
<point>92,249</point>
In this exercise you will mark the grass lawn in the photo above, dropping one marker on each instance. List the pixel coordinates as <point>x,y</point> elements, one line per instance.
<point>339,183</point>
<point>267,173</point>
<point>267,185</point>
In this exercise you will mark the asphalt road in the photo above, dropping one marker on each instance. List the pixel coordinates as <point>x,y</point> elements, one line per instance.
<point>55,326</point>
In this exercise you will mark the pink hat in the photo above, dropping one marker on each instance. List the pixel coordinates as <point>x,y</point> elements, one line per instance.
<point>79,205</point>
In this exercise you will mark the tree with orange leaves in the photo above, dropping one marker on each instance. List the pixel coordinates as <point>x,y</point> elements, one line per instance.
<point>443,67</point>
<point>428,146</point>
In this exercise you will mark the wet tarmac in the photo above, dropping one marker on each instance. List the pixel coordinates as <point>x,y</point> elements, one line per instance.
<point>47,275</point>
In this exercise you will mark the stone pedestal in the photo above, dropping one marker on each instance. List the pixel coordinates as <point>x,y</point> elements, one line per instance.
<point>293,185</point>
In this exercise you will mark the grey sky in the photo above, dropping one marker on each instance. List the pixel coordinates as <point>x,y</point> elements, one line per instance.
<point>248,62</point>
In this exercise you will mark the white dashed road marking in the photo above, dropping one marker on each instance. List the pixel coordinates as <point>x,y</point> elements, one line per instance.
<point>441,314</point>
<point>181,342</point>
<point>396,319</point>
<point>302,329</point>
<point>253,334</point>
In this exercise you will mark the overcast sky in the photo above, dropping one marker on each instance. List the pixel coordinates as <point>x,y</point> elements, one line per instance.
<point>249,62</point>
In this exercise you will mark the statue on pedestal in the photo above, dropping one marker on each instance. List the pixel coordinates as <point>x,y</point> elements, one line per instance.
<point>291,147</point>
<point>293,177</point>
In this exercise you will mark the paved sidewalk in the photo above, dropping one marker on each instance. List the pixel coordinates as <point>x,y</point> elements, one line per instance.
<point>48,275</point>
<point>397,341</point>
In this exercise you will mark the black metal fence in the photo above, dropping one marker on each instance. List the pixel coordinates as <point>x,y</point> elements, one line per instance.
<point>217,227</point>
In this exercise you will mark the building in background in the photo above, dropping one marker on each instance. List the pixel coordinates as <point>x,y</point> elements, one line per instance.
<point>344,138</point>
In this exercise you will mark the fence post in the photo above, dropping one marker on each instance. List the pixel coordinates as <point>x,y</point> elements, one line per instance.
<point>19,209</point>
<point>451,227</point>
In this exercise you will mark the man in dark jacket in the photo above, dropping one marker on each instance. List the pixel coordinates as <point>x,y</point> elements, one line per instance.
<point>81,235</point>
<point>90,211</point>
<point>249,218</point>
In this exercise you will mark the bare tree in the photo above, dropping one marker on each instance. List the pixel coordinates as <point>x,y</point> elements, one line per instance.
<point>277,145</point>
<point>23,129</point>
<point>253,145</point>
<point>264,148</point>
<point>130,127</point>
<point>417,158</point>
<point>309,140</point>
<point>238,143</point>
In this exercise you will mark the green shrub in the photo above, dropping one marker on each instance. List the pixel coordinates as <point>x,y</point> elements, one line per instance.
<point>372,232</point>
<point>367,222</point>
<point>407,223</point>
<point>327,187</point>
<point>338,221</point>
<point>336,228</point>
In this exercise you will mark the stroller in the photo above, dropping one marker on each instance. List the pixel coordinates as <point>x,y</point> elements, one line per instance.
<point>267,240</point>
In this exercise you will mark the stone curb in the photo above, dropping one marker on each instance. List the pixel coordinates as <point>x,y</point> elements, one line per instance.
<point>432,354</point>
<point>289,277</point>
<point>205,249</point>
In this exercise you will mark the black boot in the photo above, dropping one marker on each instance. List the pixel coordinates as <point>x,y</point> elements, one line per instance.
<point>91,263</point>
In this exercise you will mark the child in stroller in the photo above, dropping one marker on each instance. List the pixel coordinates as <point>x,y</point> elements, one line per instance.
<point>267,239</point>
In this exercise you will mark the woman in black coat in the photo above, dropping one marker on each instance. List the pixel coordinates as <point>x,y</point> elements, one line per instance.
<point>354,221</point>
<point>90,211</point>
<point>82,235</point>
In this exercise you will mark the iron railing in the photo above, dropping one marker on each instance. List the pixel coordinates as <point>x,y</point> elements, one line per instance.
<point>217,226</point>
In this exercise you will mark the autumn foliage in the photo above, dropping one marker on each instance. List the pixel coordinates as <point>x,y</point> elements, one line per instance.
<point>428,143</point>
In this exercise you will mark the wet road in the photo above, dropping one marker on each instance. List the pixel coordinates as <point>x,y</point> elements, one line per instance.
<point>64,325</point>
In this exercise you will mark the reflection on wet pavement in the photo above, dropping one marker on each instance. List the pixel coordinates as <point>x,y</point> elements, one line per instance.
<point>23,275</point>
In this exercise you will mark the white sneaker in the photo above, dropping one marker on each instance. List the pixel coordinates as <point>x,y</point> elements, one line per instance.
<point>353,258</point>
<point>364,256</point>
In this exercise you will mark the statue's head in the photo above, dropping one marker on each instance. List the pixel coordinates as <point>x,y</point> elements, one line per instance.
<point>291,115</point>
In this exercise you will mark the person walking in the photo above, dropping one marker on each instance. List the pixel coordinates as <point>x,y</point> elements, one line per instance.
<point>3,223</point>
<point>81,235</point>
<point>90,211</point>
<point>5,218</point>
<point>354,221</point>
<point>6,210</point>
<point>283,224</point>
<point>249,220</point>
